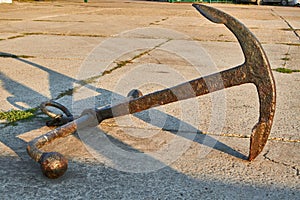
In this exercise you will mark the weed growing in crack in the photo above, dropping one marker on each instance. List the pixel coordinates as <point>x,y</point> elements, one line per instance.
<point>13,116</point>
<point>286,70</point>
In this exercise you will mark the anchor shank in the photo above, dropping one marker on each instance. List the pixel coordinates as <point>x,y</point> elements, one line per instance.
<point>197,87</point>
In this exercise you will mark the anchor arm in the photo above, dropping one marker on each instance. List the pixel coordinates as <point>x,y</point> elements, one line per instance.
<point>257,71</point>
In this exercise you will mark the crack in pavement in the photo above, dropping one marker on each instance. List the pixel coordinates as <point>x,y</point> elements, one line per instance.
<point>157,22</point>
<point>286,58</point>
<point>289,25</point>
<point>294,167</point>
<point>119,65</point>
<point>54,34</point>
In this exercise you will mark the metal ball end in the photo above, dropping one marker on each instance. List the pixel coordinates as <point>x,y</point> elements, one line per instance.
<point>134,94</point>
<point>53,164</point>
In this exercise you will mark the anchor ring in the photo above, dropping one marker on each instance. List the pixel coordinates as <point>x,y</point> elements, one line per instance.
<point>57,119</point>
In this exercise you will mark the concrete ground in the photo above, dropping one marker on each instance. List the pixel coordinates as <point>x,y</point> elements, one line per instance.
<point>192,149</point>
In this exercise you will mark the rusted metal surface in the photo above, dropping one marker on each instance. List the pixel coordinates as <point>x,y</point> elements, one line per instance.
<point>256,69</point>
<point>57,119</point>
<point>53,164</point>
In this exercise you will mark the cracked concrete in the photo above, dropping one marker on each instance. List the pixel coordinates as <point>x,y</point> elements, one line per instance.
<point>292,28</point>
<point>52,50</point>
<point>282,163</point>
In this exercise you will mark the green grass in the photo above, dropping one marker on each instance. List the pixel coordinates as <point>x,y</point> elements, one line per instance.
<point>13,116</point>
<point>285,59</point>
<point>286,70</point>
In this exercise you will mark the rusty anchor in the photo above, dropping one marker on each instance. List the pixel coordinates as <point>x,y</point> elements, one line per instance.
<point>256,69</point>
